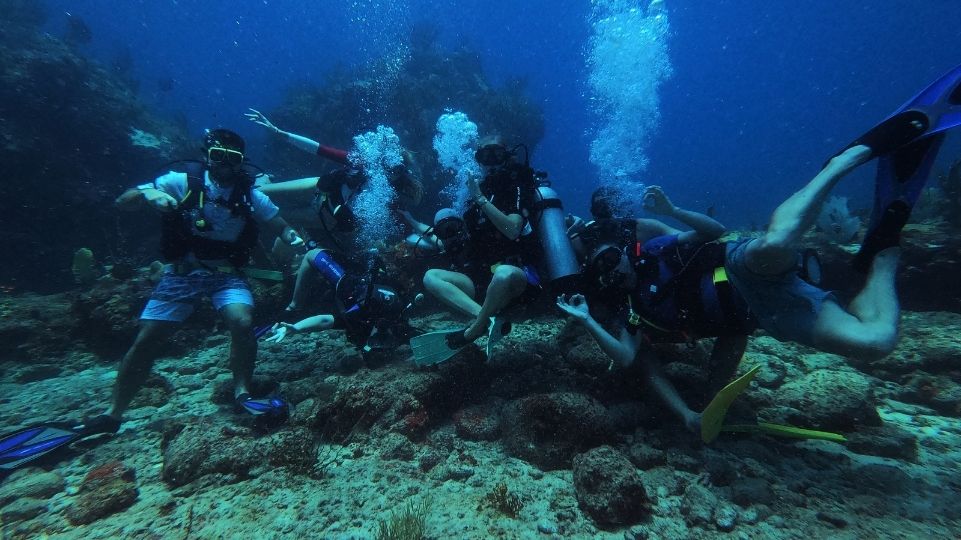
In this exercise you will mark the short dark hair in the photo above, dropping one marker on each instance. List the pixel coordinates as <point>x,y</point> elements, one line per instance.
<point>223,138</point>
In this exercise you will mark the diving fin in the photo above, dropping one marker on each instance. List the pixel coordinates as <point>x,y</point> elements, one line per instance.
<point>716,410</point>
<point>907,143</point>
<point>781,430</point>
<point>30,443</point>
<point>436,347</point>
<point>933,110</point>
<point>499,327</point>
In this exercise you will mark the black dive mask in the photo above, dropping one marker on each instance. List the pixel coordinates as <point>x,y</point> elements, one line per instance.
<point>492,155</point>
<point>608,268</point>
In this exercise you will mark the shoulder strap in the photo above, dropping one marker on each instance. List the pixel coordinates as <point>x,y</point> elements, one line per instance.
<point>195,184</point>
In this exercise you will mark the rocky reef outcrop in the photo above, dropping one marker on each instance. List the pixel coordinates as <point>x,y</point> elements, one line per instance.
<point>73,136</point>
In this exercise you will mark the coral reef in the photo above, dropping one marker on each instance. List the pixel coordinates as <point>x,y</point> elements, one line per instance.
<point>431,82</point>
<point>836,222</point>
<point>67,153</point>
<point>410,523</point>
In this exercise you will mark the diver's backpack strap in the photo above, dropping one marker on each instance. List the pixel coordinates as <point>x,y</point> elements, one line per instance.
<point>195,184</point>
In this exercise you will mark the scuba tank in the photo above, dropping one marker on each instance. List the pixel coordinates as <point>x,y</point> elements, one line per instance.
<point>327,267</point>
<point>562,268</point>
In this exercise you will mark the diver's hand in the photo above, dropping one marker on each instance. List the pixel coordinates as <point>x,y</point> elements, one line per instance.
<point>292,238</point>
<point>473,188</point>
<point>575,306</point>
<point>279,331</point>
<point>159,199</point>
<point>258,117</point>
<point>657,202</point>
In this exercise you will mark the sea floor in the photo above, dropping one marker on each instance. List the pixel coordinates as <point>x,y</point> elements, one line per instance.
<point>184,465</point>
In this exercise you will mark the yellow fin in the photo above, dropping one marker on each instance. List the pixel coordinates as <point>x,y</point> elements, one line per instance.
<point>713,416</point>
<point>791,432</point>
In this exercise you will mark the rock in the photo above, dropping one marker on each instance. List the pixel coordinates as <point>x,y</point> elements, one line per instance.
<point>927,342</point>
<point>549,429</point>
<point>721,468</point>
<point>479,422</point>
<point>837,520</point>
<point>32,483</point>
<point>645,456</point>
<point>106,489</point>
<point>831,400</point>
<point>636,533</point>
<point>608,488</point>
<point>750,491</point>
<point>587,356</point>
<point>198,450</point>
<point>546,527</point>
<point>725,517</point>
<point>22,509</point>
<point>887,441</point>
<point>396,446</point>
<point>698,504</point>
<point>939,392</point>
<point>884,478</point>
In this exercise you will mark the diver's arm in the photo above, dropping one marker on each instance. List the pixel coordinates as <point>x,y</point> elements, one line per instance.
<point>278,226</point>
<point>510,225</point>
<point>134,198</point>
<point>621,350</point>
<point>298,141</point>
<point>705,228</point>
<point>300,184</point>
<point>317,323</point>
<point>416,226</point>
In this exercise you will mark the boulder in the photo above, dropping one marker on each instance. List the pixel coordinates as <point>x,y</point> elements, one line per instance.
<point>609,488</point>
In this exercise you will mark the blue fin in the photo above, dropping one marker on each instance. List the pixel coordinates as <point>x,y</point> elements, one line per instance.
<point>935,109</point>
<point>33,442</point>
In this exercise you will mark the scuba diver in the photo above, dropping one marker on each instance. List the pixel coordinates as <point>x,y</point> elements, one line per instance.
<point>489,251</point>
<point>368,307</point>
<point>211,216</point>
<point>334,193</point>
<point>760,281</point>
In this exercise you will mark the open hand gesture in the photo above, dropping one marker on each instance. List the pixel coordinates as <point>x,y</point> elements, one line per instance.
<point>258,117</point>
<point>279,331</point>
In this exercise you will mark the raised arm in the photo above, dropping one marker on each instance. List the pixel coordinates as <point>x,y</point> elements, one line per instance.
<point>299,141</point>
<point>510,225</point>
<point>704,228</point>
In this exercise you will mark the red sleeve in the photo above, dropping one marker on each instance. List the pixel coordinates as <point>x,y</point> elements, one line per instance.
<point>333,154</point>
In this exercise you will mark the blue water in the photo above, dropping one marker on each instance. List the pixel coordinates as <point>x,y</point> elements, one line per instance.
<point>761,93</point>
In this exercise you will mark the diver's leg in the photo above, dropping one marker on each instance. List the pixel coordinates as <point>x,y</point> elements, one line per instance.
<point>137,363</point>
<point>508,283</point>
<point>304,281</point>
<point>774,252</point>
<point>454,289</point>
<point>668,393</point>
<point>869,329</point>
<point>726,355</point>
<point>243,344</point>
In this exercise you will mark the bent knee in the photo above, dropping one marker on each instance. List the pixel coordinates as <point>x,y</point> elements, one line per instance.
<point>507,272</point>
<point>432,277</point>
<point>238,322</point>
<point>876,347</point>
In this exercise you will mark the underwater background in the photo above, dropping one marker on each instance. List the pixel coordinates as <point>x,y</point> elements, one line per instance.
<point>730,105</point>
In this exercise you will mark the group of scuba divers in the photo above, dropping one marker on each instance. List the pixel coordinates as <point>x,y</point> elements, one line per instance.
<point>512,245</point>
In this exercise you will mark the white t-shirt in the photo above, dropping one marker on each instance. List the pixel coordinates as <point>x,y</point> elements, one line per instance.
<point>222,224</point>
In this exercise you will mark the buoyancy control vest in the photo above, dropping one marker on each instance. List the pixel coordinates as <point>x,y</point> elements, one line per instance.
<point>180,229</point>
<point>683,293</point>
